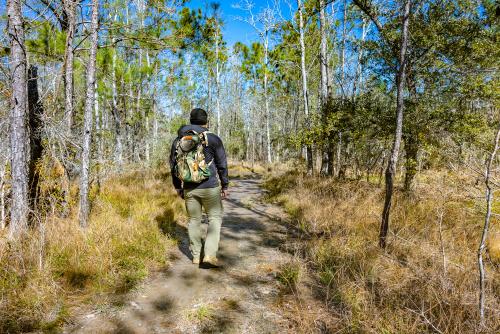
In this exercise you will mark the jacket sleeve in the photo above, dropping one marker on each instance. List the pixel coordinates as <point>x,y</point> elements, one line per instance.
<point>221,163</point>
<point>176,182</point>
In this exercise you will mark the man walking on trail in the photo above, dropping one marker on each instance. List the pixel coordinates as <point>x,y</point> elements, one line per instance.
<point>199,174</point>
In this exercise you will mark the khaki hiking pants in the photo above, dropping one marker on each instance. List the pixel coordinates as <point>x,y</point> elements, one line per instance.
<point>210,200</point>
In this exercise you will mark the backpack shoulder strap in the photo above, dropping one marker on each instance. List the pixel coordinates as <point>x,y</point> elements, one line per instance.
<point>205,136</point>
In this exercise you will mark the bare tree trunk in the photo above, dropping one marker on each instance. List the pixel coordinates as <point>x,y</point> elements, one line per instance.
<point>305,93</point>
<point>487,218</point>
<point>324,85</point>
<point>217,83</point>
<point>98,130</point>
<point>342,56</point>
<point>87,118</point>
<point>139,111</point>
<point>343,138</point>
<point>393,159</point>
<point>35,110</point>
<point>411,163</point>
<point>70,10</point>
<point>118,152</point>
<point>19,131</point>
<point>266,98</point>
<point>148,134</point>
<point>358,76</point>
<point>3,215</point>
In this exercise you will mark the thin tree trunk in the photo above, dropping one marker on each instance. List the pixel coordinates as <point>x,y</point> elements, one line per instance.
<point>87,119</point>
<point>342,56</point>
<point>217,83</point>
<point>3,216</point>
<point>358,76</point>
<point>393,159</point>
<point>411,163</point>
<point>19,131</point>
<point>305,93</point>
<point>35,110</point>
<point>118,152</point>
<point>324,85</point>
<point>70,10</point>
<point>98,130</point>
<point>139,111</point>
<point>487,218</point>
<point>266,98</point>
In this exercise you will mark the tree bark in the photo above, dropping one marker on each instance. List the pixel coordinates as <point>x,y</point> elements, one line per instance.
<point>19,131</point>
<point>35,110</point>
<point>266,98</point>
<point>87,118</point>
<point>217,83</point>
<point>393,159</point>
<point>70,12</point>
<point>358,78</point>
<point>305,92</point>
<point>326,154</point>
<point>118,151</point>
<point>411,163</point>
<point>98,130</point>
<point>3,215</point>
<point>487,218</point>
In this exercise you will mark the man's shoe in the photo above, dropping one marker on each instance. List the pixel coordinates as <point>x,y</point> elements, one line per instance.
<point>196,260</point>
<point>211,260</point>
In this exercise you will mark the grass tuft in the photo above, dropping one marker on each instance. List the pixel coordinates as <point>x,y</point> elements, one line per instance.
<point>59,266</point>
<point>408,288</point>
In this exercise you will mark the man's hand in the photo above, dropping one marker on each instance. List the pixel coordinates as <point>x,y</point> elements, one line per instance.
<point>224,193</point>
<point>180,193</point>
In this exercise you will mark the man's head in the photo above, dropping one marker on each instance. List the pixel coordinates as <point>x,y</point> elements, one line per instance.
<point>198,117</point>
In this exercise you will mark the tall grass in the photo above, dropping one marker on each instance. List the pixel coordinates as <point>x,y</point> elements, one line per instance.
<point>426,280</point>
<point>58,266</point>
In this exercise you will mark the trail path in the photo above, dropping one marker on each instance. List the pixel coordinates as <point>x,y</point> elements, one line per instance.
<point>239,297</point>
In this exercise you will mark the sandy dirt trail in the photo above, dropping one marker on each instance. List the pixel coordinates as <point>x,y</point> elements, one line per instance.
<point>239,297</point>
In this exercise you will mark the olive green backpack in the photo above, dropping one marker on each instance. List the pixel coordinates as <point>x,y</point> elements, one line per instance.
<point>190,165</point>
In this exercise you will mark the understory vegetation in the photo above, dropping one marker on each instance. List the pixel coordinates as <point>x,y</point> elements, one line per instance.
<point>424,281</point>
<point>60,266</point>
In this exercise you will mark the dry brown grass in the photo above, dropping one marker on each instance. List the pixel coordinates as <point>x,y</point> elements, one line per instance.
<point>407,288</point>
<point>59,267</point>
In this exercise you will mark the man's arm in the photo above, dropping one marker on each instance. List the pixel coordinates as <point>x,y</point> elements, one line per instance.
<point>221,163</point>
<point>176,182</point>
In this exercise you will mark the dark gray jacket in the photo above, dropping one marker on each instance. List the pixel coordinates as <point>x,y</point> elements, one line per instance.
<point>213,152</point>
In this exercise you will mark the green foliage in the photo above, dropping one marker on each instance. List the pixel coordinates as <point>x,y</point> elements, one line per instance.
<point>47,43</point>
<point>289,275</point>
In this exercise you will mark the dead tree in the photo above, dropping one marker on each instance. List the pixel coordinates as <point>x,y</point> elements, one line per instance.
<point>19,131</point>
<point>393,159</point>
<point>70,14</point>
<point>35,109</point>
<point>305,92</point>
<point>325,161</point>
<point>87,118</point>
<point>482,245</point>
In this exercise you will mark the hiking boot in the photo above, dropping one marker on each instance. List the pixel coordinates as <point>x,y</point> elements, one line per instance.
<point>211,260</point>
<point>196,260</point>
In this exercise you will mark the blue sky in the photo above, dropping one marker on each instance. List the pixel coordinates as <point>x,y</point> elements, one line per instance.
<point>234,29</point>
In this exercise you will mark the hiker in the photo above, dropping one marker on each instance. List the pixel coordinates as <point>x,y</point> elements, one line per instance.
<point>199,174</point>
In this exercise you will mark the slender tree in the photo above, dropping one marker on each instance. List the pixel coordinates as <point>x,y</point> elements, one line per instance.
<point>482,245</point>
<point>69,8</point>
<point>19,131</point>
<point>305,92</point>
<point>35,112</point>
<point>323,59</point>
<point>393,159</point>
<point>87,117</point>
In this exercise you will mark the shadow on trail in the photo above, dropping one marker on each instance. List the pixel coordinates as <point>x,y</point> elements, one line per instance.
<point>242,226</point>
